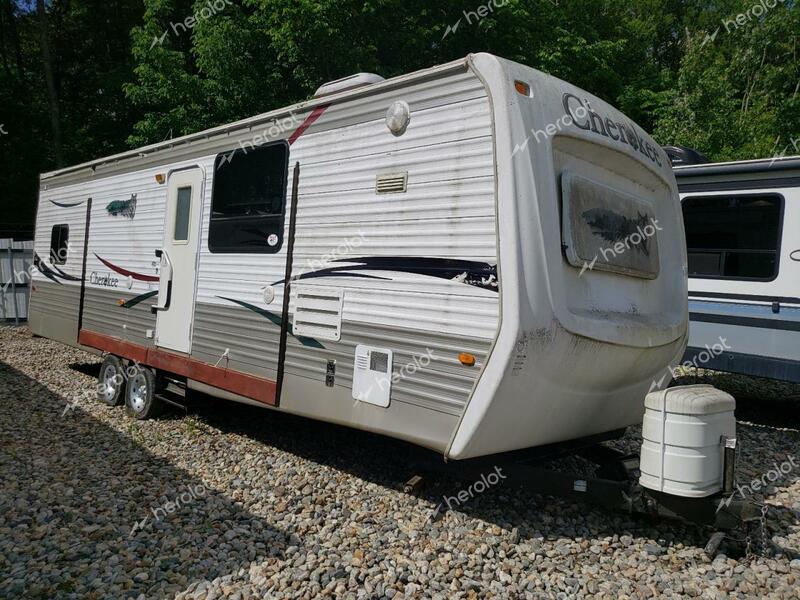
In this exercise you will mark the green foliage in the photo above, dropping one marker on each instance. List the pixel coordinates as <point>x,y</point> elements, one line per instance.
<point>736,97</point>
<point>135,72</point>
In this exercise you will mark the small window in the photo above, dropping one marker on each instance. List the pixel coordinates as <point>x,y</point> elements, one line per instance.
<point>249,200</point>
<point>183,209</point>
<point>59,244</point>
<point>734,237</point>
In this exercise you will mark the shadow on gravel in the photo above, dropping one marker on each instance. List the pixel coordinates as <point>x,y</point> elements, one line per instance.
<point>390,463</point>
<point>84,508</point>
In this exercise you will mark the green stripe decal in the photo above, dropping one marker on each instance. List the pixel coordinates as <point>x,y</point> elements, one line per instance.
<point>306,341</point>
<point>136,300</point>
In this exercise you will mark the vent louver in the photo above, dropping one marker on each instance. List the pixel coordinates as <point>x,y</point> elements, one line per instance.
<point>318,312</point>
<point>391,183</point>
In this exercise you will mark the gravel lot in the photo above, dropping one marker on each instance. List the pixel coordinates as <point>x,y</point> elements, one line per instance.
<point>241,503</point>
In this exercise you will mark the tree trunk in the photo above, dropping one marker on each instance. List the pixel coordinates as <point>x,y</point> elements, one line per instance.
<point>52,91</point>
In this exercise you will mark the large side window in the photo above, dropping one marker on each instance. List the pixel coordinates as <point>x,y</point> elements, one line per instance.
<point>734,237</point>
<point>249,200</point>
<point>59,244</point>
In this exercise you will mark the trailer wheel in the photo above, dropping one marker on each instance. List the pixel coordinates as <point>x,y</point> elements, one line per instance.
<point>111,381</point>
<point>140,394</point>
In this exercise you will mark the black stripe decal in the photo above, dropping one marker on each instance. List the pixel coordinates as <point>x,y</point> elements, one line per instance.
<point>287,290</point>
<point>752,184</point>
<point>83,268</point>
<point>746,321</point>
<point>469,272</point>
<point>749,364</point>
<point>66,204</point>
<point>751,297</point>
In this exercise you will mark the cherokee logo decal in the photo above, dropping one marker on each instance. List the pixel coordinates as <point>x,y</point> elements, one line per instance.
<point>603,125</point>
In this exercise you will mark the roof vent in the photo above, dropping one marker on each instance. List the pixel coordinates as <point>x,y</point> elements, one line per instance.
<point>348,83</point>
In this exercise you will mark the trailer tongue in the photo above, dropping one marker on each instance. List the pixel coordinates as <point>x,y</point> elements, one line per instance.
<point>686,471</point>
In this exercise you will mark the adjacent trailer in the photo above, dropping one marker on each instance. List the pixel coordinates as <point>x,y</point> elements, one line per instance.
<point>476,258</point>
<point>743,235</point>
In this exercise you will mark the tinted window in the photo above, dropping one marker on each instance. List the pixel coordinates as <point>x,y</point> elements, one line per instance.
<point>59,244</point>
<point>183,209</point>
<point>733,237</point>
<point>249,200</point>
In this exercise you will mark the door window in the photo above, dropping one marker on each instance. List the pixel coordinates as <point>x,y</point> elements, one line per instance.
<point>183,210</point>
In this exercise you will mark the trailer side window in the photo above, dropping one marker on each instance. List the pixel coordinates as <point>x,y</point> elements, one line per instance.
<point>59,244</point>
<point>733,237</point>
<point>249,200</point>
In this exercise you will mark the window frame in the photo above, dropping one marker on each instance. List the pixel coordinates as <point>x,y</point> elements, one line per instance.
<point>54,251</point>
<point>212,248</point>
<point>746,194</point>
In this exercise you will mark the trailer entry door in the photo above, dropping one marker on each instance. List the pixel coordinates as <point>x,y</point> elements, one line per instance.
<point>178,256</point>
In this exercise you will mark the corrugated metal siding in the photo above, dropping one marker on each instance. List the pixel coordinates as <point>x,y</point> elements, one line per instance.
<point>447,212</point>
<point>54,300</point>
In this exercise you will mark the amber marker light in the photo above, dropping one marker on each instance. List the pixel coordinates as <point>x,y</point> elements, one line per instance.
<point>120,302</point>
<point>523,88</point>
<point>161,178</point>
<point>468,360</point>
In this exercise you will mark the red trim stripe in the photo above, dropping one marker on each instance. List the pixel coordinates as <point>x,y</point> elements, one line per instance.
<point>126,273</point>
<point>315,114</point>
<point>256,388</point>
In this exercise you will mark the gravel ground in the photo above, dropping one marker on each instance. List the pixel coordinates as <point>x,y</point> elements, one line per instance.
<point>241,503</point>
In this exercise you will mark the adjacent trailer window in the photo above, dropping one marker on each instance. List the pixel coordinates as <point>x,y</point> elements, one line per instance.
<point>734,237</point>
<point>59,244</point>
<point>249,200</point>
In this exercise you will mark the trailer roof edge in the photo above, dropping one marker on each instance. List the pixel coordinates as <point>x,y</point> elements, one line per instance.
<point>304,105</point>
<point>762,166</point>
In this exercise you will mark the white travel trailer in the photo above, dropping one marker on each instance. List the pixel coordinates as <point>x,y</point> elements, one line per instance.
<point>743,234</point>
<point>476,258</point>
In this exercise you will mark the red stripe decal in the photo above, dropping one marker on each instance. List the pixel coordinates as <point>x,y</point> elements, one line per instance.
<point>250,386</point>
<point>126,273</point>
<point>315,114</point>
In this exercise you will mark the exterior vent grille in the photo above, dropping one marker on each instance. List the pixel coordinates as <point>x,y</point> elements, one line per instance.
<point>318,312</point>
<point>392,183</point>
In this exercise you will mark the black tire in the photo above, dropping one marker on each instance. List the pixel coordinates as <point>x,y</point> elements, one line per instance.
<point>140,394</point>
<point>111,381</point>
